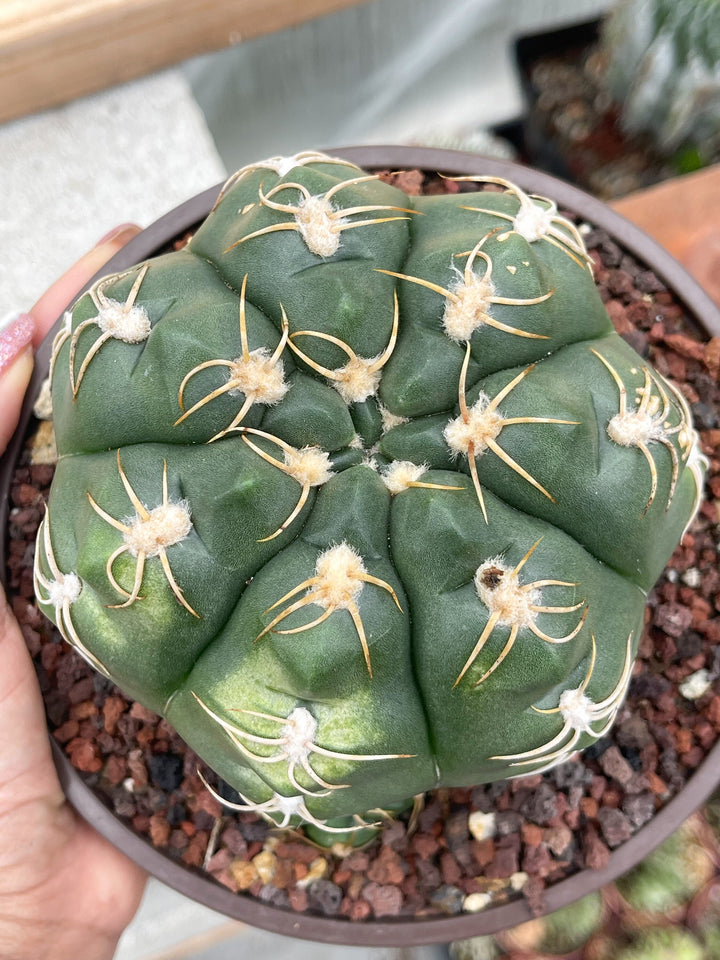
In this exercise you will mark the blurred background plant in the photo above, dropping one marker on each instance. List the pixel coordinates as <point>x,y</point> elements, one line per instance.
<point>622,103</point>
<point>663,68</point>
<point>667,908</point>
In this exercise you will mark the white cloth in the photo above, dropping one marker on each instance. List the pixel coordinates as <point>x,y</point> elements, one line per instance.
<point>69,175</point>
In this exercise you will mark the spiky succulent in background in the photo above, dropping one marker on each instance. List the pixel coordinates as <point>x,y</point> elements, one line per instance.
<point>558,933</point>
<point>659,887</point>
<point>665,944</point>
<point>664,71</point>
<point>344,487</point>
<point>666,908</point>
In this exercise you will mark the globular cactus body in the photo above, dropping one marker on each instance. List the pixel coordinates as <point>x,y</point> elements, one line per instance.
<point>362,492</point>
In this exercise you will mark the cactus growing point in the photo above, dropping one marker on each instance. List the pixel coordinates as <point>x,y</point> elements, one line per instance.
<point>362,491</point>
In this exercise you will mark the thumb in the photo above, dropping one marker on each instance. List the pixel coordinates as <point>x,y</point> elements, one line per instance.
<point>28,330</point>
<point>26,768</point>
<point>16,365</point>
<point>27,772</point>
<point>63,291</point>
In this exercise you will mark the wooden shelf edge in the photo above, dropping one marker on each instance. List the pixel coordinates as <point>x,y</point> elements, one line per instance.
<point>50,53</point>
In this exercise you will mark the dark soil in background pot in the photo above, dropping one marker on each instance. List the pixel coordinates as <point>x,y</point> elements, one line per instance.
<point>468,849</point>
<point>572,127</point>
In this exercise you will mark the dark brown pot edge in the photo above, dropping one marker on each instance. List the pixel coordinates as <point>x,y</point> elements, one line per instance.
<point>401,932</point>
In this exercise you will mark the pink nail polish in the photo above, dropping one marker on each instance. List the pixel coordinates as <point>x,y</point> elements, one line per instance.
<point>14,338</point>
<point>114,233</point>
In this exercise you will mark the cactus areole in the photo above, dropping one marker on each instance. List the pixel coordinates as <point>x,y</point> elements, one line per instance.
<point>362,491</point>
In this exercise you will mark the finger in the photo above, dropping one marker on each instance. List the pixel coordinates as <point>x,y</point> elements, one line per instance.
<point>16,364</point>
<point>28,330</point>
<point>20,703</point>
<point>63,291</point>
<point>26,769</point>
<point>21,707</point>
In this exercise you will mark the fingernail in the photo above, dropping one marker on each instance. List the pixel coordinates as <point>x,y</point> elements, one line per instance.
<point>115,233</point>
<point>16,336</point>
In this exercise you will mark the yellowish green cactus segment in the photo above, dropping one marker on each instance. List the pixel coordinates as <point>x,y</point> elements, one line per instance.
<point>362,491</point>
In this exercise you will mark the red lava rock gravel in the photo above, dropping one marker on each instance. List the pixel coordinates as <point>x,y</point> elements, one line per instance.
<point>544,827</point>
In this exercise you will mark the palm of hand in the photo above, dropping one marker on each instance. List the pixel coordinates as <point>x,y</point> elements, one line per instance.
<point>64,891</point>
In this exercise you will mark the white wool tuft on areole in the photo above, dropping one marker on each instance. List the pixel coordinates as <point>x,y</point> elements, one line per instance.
<point>634,427</point>
<point>468,308</point>
<point>165,526</point>
<point>390,420</point>
<point>482,424</point>
<point>357,380</point>
<point>498,587</point>
<point>318,226</point>
<point>298,734</point>
<point>65,589</point>
<point>533,222</point>
<point>129,325</point>
<point>339,571</point>
<point>576,710</point>
<point>310,466</point>
<point>259,377</point>
<point>400,474</point>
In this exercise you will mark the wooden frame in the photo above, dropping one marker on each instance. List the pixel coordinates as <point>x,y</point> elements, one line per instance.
<point>52,51</point>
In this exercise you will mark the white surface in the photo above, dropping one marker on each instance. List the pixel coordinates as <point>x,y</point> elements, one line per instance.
<point>170,927</point>
<point>166,921</point>
<point>69,175</point>
<point>390,71</point>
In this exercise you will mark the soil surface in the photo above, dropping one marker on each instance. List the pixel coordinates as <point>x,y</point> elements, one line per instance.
<point>466,849</point>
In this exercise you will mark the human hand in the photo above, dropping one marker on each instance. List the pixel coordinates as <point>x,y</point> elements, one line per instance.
<point>65,892</point>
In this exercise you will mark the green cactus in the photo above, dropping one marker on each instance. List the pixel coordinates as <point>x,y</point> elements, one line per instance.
<point>669,877</point>
<point>668,943</point>
<point>664,70</point>
<point>362,492</point>
<point>558,933</point>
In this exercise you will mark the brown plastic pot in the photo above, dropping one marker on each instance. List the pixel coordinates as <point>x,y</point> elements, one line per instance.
<point>401,932</point>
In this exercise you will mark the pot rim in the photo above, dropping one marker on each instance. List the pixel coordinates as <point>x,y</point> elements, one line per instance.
<point>193,882</point>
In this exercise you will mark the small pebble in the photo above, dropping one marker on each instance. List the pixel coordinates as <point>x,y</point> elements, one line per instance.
<point>270,894</point>
<point>166,770</point>
<point>696,685</point>
<point>507,822</point>
<point>386,901</point>
<point>244,874</point>
<point>265,863</point>
<point>541,805</point>
<point>475,902</point>
<point>518,880</point>
<point>640,808</point>
<point>316,871</point>
<point>615,826</point>
<point>615,766</point>
<point>482,825</point>
<point>597,855</point>
<point>325,896</point>
<point>692,577</point>
<point>449,899</point>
